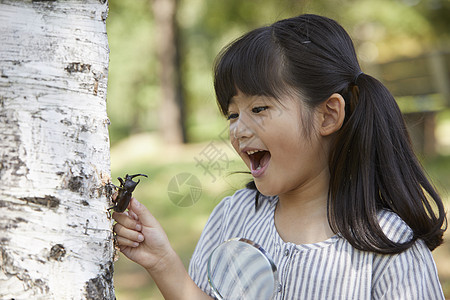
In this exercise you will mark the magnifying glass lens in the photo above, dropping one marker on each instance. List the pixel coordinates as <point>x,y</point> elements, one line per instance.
<point>241,269</point>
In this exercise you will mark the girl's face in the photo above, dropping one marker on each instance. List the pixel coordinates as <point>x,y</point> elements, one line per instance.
<point>270,137</point>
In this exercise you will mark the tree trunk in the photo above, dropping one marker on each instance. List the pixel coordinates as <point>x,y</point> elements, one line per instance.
<point>167,47</point>
<point>55,234</point>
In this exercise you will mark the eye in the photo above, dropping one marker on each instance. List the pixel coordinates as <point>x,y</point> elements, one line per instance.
<point>259,109</point>
<point>232,116</point>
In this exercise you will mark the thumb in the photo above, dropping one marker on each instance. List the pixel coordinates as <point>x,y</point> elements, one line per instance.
<point>144,215</point>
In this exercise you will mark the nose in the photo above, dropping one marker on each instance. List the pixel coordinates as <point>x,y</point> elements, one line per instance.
<point>240,129</point>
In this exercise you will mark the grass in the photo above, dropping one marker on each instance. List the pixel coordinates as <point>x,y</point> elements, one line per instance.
<point>146,154</point>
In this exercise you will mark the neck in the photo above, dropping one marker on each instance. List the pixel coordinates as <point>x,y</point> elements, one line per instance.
<point>301,214</point>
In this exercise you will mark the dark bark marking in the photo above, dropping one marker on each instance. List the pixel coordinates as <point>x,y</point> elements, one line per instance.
<point>44,5</point>
<point>10,159</point>
<point>66,122</point>
<point>47,201</point>
<point>99,287</point>
<point>109,190</point>
<point>13,224</point>
<point>95,87</point>
<point>57,252</point>
<point>78,67</point>
<point>75,184</point>
<point>10,269</point>
<point>84,128</point>
<point>86,227</point>
<point>20,220</point>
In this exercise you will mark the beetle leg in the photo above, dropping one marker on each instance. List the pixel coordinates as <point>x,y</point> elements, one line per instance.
<point>117,187</point>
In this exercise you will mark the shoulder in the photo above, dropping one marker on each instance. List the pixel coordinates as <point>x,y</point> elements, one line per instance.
<point>243,199</point>
<point>411,274</point>
<point>238,213</point>
<point>394,227</point>
<point>241,202</point>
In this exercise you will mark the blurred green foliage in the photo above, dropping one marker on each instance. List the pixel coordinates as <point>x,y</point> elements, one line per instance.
<point>132,90</point>
<point>381,30</point>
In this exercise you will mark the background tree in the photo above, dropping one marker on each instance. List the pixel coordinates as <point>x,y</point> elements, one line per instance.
<point>55,235</point>
<point>167,44</point>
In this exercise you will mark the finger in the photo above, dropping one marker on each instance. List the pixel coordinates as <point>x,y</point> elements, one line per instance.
<point>133,215</point>
<point>125,220</point>
<point>143,214</point>
<point>123,242</point>
<point>128,234</point>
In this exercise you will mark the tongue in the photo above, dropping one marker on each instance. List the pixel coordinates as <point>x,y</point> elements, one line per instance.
<point>260,159</point>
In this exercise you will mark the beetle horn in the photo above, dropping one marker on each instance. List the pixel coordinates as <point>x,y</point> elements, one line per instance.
<point>135,175</point>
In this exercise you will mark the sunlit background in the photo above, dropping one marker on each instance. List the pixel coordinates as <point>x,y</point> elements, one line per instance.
<point>165,122</point>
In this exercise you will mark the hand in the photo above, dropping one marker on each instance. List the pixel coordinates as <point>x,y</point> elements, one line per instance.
<point>141,238</point>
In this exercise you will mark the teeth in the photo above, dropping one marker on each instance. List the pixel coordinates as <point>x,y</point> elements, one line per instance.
<point>253,151</point>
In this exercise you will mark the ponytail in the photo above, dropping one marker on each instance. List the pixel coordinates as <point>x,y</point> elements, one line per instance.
<point>373,167</point>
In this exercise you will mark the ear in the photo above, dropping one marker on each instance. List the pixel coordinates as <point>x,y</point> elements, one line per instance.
<point>332,114</point>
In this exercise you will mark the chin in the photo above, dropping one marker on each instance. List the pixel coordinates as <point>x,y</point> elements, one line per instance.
<point>266,190</point>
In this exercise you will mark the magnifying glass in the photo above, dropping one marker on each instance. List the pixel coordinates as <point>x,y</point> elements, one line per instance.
<point>241,269</point>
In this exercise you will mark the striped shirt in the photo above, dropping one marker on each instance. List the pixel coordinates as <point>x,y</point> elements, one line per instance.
<point>331,269</point>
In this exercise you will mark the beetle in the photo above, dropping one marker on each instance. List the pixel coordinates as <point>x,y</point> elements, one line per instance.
<point>126,188</point>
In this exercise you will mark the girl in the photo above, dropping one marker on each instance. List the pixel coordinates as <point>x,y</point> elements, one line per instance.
<point>338,198</point>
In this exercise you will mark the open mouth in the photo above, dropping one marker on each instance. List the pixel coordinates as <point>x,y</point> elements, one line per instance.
<point>259,160</point>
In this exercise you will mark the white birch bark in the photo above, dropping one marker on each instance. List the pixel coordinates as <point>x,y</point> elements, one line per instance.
<point>55,234</point>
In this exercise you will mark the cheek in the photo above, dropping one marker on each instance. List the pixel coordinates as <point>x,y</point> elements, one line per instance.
<point>290,150</point>
<point>235,143</point>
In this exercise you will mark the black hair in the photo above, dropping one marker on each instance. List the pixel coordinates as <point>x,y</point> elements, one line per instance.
<point>372,164</point>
